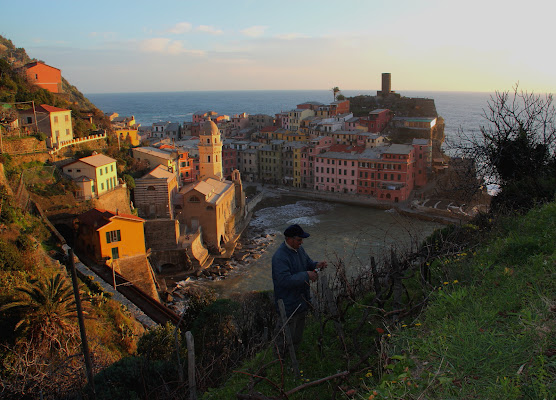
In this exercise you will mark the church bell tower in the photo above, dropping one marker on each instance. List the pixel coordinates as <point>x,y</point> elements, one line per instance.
<point>210,152</point>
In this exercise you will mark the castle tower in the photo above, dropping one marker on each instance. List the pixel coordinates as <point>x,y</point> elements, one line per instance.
<point>386,83</point>
<point>210,152</point>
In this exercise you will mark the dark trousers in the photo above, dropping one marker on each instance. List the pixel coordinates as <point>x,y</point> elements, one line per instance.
<point>296,325</point>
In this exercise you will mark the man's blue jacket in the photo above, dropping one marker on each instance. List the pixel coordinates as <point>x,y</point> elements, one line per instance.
<point>290,278</point>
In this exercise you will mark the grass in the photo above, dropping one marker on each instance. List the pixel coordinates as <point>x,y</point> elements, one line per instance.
<point>488,332</point>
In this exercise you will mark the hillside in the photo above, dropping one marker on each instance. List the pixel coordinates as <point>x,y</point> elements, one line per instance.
<point>14,88</point>
<point>487,332</point>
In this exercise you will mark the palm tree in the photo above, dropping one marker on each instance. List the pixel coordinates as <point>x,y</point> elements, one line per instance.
<point>48,309</point>
<point>335,91</point>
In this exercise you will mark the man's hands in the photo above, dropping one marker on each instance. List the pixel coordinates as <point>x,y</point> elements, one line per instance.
<point>322,265</point>
<point>312,276</point>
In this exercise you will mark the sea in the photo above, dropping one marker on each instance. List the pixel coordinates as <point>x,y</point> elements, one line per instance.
<point>462,111</point>
<point>345,236</point>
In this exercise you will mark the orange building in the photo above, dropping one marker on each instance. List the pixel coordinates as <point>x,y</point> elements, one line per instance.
<point>104,235</point>
<point>44,76</point>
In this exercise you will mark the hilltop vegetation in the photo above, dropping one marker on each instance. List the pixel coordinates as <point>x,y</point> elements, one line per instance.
<point>15,88</point>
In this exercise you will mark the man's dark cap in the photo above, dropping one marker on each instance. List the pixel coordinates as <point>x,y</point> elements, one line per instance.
<point>295,231</point>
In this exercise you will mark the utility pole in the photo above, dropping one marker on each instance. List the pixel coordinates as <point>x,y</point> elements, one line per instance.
<point>84,343</point>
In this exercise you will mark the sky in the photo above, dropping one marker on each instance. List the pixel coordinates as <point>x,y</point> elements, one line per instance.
<point>189,45</point>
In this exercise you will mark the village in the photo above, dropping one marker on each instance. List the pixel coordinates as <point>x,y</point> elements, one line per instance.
<point>185,215</point>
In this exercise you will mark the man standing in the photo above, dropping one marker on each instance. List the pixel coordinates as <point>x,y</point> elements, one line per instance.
<point>292,271</point>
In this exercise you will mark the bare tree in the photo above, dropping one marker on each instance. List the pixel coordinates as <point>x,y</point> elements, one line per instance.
<point>515,150</point>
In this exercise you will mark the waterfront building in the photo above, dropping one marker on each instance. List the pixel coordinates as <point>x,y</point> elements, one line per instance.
<point>54,122</point>
<point>270,162</point>
<point>423,157</point>
<point>213,204</point>
<point>391,172</point>
<point>336,170</point>
<point>94,175</point>
<point>248,160</point>
<point>291,163</point>
<point>154,192</point>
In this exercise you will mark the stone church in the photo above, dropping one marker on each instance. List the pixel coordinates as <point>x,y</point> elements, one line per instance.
<point>212,205</point>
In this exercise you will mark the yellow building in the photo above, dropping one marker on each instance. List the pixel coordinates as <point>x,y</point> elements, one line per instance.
<point>296,116</point>
<point>54,122</point>
<point>156,157</point>
<point>131,135</point>
<point>105,235</point>
<point>93,175</point>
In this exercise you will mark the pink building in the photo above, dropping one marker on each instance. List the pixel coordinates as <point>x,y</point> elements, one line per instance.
<point>387,173</point>
<point>423,160</point>
<point>336,170</point>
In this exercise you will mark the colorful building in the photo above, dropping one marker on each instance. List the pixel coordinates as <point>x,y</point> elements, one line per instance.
<point>93,175</point>
<point>110,235</point>
<point>54,122</point>
<point>44,76</point>
<point>128,135</point>
<point>336,170</point>
<point>154,192</point>
<point>155,157</point>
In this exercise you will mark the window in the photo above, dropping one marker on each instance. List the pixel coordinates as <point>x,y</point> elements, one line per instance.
<point>113,236</point>
<point>29,120</point>
<point>102,186</point>
<point>151,188</point>
<point>115,253</point>
<point>66,118</point>
<point>194,199</point>
<point>55,120</point>
<point>100,171</point>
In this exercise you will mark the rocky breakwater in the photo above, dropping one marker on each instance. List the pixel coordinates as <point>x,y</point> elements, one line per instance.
<point>250,247</point>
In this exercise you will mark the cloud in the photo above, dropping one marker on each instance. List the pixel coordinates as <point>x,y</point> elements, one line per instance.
<point>181,27</point>
<point>209,29</point>
<point>291,36</point>
<point>254,31</point>
<point>167,46</point>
